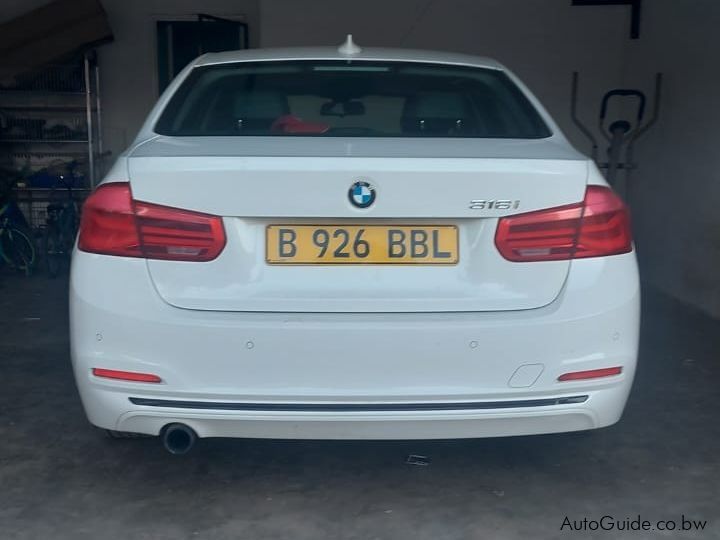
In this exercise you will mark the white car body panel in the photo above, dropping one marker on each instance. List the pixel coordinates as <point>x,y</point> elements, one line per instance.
<point>247,349</point>
<point>252,193</point>
<point>280,358</point>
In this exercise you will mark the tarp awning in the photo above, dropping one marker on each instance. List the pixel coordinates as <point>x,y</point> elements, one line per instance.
<point>51,32</point>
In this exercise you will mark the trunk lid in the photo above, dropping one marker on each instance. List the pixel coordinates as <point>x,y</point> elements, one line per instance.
<point>256,182</point>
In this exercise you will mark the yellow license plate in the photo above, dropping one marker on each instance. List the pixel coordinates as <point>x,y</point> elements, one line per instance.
<point>362,244</point>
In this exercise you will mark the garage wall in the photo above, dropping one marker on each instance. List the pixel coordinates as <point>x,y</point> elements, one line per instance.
<point>675,194</point>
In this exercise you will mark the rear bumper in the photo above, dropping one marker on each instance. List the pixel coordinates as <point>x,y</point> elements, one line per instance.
<point>525,417</point>
<point>437,424</point>
<point>353,376</point>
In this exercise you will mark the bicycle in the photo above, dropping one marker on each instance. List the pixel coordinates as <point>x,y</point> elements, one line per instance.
<point>17,249</point>
<point>61,226</point>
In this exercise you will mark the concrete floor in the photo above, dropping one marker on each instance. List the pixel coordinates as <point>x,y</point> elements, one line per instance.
<point>62,479</point>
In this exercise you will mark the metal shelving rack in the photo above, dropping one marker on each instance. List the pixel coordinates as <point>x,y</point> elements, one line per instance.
<point>49,117</point>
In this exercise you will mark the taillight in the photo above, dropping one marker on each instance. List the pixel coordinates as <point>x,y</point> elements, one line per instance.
<point>114,224</point>
<point>596,227</point>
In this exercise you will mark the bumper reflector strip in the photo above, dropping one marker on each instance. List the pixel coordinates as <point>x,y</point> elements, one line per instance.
<point>590,374</point>
<point>126,375</point>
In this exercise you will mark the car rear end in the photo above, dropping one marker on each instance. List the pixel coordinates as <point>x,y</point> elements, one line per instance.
<point>376,247</point>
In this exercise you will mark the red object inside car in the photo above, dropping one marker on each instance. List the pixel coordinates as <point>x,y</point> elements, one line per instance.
<point>290,123</point>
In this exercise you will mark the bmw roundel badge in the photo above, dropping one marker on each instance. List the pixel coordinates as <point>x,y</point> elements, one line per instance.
<point>361,194</point>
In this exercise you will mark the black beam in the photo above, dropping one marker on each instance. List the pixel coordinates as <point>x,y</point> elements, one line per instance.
<point>635,6</point>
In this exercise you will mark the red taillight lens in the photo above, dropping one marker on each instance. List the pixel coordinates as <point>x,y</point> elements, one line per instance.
<point>178,235</point>
<point>597,227</point>
<point>590,374</point>
<point>108,225</point>
<point>113,224</point>
<point>126,375</point>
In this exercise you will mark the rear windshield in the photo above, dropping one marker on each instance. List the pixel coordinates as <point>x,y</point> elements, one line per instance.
<point>349,99</point>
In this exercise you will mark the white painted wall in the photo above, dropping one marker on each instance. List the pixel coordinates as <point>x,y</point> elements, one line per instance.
<point>129,64</point>
<point>677,186</point>
<point>675,193</point>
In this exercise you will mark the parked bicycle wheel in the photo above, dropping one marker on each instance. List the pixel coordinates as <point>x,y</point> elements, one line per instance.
<point>17,249</point>
<point>53,249</point>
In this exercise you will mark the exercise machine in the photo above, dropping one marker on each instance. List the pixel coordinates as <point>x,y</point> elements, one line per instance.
<point>621,135</point>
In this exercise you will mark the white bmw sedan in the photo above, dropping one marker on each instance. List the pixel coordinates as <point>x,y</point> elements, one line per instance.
<point>352,244</point>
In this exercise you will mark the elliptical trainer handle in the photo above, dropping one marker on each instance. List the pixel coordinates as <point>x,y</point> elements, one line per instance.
<point>623,92</point>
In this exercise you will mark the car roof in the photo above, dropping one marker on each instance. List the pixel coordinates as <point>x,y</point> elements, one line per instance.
<point>333,53</point>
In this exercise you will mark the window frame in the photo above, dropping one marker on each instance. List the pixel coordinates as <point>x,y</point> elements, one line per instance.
<point>239,18</point>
